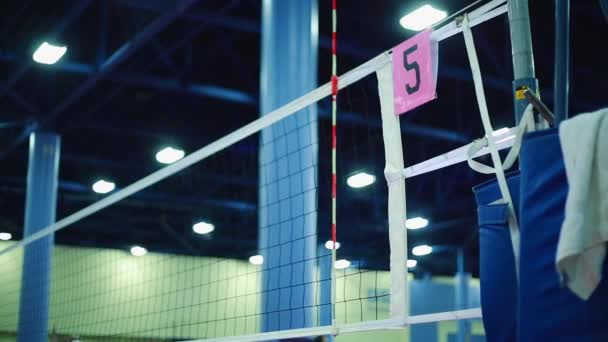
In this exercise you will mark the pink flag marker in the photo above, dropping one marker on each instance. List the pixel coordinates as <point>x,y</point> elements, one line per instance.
<point>414,72</point>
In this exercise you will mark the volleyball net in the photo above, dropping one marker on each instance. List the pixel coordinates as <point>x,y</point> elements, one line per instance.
<point>194,271</point>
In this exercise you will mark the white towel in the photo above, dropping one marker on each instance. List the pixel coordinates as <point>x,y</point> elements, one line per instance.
<point>582,243</point>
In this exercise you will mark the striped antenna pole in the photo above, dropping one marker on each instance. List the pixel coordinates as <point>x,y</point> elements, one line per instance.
<point>334,144</point>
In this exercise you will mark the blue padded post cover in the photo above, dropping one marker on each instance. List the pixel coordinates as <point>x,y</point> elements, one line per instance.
<point>497,264</point>
<point>549,311</point>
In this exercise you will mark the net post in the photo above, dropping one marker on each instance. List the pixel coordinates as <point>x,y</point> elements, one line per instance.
<point>393,150</point>
<point>523,57</point>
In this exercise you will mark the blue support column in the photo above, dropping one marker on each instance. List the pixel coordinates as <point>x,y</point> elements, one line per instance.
<point>41,201</point>
<point>288,167</point>
<point>462,297</point>
<point>562,60</point>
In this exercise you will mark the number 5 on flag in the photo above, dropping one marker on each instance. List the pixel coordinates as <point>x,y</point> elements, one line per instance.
<point>414,72</point>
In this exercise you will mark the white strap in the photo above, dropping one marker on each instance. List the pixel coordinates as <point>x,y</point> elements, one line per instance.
<point>393,150</point>
<point>485,119</point>
<point>526,125</point>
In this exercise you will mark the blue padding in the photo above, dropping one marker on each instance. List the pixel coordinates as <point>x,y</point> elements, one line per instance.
<point>497,264</point>
<point>548,311</point>
<point>495,214</point>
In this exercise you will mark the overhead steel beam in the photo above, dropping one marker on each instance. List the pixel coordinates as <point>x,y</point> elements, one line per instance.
<point>346,47</point>
<point>103,32</point>
<point>120,55</point>
<point>110,64</point>
<point>130,47</point>
<point>410,128</point>
<point>146,199</point>
<point>23,103</point>
<point>11,124</point>
<point>229,22</point>
<point>74,13</point>
<point>6,87</point>
<point>148,81</point>
<point>241,97</point>
<point>207,175</point>
<point>208,90</point>
<point>25,132</point>
<point>10,22</point>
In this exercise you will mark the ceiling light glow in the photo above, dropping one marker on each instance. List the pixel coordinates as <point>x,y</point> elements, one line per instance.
<point>342,264</point>
<point>5,236</point>
<point>330,244</point>
<point>422,18</point>
<point>416,223</point>
<point>360,180</point>
<point>103,186</point>
<point>138,251</point>
<point>203,228</point>
<point>48,54</point>
<point>411,263</point>
<point>422,250</point>
<point>169,155</point>
<point>256,259</point>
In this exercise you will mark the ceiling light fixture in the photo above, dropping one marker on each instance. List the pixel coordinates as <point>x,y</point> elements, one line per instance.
<point>256,259</point>
<point>360,180</point>
<point>330,245</point>
<point>103,186</point>
<point>203,228</point>
<point>342,264</point>
<point>138,251</point>
<point>169,155</point>
<point>416,223</point>
<point>411,263</point>
<point>6,236</point>
<point>48,54</point>
<point>422,18</point>
<point>422,250</point>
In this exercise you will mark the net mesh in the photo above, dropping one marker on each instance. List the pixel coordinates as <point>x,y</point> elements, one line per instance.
<point>273,188</point>
<point>10,268</point>
<point>268,188</point>
<point>362,290</point>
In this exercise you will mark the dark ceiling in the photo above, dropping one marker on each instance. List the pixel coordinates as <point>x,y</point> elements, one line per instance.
<point>186,79</point>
